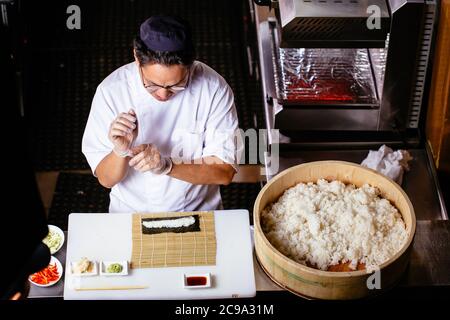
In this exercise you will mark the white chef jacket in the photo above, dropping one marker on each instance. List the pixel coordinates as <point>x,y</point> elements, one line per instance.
<point>197,122</point>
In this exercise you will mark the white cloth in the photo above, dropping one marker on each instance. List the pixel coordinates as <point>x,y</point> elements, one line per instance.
<point>197,122</point>
<point>388,162</point>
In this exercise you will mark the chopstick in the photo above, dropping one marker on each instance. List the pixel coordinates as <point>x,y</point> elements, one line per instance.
<point>111,288</point>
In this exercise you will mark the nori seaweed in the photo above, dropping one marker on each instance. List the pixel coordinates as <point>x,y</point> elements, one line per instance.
<point>195,227</point>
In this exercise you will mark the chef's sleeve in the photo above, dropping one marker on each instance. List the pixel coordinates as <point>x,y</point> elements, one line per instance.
<point>222,137</point>
<point>96,145</point>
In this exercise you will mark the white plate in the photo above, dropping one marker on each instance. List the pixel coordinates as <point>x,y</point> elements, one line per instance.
<point>104,266</point>
<point>57,230</point>
<point>85,274</point>
<point>59,268</point>
<point>204,275</point>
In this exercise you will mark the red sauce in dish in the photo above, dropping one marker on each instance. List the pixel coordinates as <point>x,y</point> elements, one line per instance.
<point>196,281</point>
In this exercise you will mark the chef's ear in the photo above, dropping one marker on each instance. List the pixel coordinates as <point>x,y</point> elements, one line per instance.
<point>135,57</point>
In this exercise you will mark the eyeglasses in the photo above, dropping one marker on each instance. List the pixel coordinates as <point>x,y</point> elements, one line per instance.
<point>151,87</point>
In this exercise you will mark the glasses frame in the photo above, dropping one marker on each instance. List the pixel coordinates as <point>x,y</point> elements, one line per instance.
<point>151,88</point>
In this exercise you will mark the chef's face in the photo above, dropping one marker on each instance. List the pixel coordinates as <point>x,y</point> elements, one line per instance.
<point>162,81</point>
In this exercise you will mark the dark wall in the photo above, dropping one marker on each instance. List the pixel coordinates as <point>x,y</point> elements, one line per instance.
<point>23,223</point>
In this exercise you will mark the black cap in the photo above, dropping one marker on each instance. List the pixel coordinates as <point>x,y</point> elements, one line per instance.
<point>166,33</point>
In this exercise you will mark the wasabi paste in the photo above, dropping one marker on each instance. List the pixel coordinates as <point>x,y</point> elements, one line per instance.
<point>114,268</point>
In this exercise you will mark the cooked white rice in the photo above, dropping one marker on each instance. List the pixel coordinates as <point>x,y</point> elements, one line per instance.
<point>329,223</point>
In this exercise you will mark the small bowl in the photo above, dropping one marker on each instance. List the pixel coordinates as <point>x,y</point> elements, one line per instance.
<point>58,231</point>
<point>104,266</point>
<point>59,269</point>
<point>197,281</point>
<point>85,274</point>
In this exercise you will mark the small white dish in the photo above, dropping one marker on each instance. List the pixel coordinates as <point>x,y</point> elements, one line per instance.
<point>54,239</point>
<point>59,270</point>
<point>105,264</point>
<point>197,281</point>
<point>93,272</point>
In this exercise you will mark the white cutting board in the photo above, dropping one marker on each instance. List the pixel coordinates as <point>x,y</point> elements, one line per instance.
<point>108,237</point>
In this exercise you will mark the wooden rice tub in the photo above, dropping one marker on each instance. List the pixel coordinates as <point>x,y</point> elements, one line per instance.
<point>317,284</point>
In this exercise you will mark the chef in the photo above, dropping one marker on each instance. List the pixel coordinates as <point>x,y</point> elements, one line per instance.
<point>161,132</point>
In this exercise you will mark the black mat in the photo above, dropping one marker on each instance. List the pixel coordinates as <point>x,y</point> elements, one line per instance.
<point>77,192</point>
<point>63,67</point>
<point>240,196</point>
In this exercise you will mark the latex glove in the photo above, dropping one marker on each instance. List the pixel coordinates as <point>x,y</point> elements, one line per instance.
<point>122,132</point>
<point>146,157</point>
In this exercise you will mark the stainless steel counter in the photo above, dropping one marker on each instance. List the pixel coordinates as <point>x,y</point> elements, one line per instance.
<point>430,258</point>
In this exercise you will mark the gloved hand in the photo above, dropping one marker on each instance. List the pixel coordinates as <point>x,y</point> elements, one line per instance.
<point>122,132</point>
<point>146,157</point>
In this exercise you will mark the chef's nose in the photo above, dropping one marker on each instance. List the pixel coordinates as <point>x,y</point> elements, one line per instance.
<point>165,93</point>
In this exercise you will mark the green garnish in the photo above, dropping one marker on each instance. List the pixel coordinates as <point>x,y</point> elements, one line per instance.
<point>114,268</point>
<point>53,241</point>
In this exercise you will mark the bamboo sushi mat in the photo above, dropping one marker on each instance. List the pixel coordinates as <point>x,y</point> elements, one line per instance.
<point>171,249</point>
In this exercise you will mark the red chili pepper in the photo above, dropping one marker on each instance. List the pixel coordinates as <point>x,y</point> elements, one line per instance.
<point>46,275</point>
